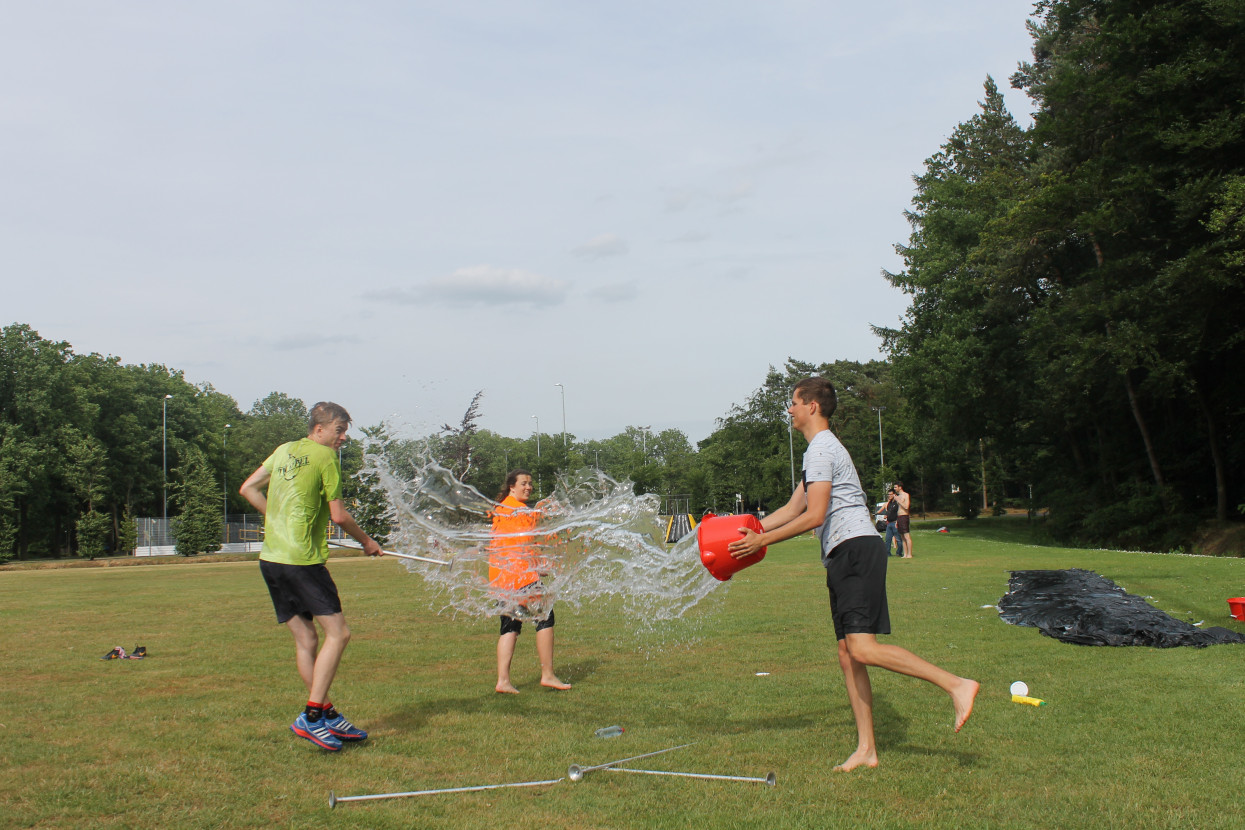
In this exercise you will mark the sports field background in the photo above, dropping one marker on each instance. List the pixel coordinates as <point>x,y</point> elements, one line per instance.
<point>197,734</point>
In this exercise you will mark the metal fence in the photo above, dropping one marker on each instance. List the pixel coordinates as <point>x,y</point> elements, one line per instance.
<point>241,533</point>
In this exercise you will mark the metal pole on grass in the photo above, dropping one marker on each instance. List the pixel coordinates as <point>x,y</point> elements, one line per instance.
<point>334,799</point>
<point>769,779</point>
<point>576,772</point>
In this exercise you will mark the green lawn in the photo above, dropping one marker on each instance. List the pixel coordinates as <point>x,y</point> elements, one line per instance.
<point>196,735</point>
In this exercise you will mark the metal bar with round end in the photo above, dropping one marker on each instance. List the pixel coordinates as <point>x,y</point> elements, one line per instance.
<point>335,799</point>
<point>770,779</point>
<point>576,772</point>
<point>393,553</point>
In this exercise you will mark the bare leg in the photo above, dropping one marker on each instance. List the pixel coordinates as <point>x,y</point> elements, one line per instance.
<point>306,642</point>
<point>505,654</point>
<point>865,649</point>
<point>336,636</point>
<point>544,650</point>
<point>860,694</point>
<point>907,546</point>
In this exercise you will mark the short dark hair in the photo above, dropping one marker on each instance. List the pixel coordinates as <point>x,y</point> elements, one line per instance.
<point>819,391</point>
<point>898,484</point>
<point>326,413</point>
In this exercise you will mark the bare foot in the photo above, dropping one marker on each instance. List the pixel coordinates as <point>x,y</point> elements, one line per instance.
<point>554,683</point>
<point>963,698</point>
<point>857,759</point>
<point>506,689</point>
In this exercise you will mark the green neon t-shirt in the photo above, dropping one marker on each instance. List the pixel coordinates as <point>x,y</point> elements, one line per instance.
<point>305,478</point>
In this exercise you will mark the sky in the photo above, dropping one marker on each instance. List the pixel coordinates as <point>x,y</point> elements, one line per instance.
<point>394,205</point>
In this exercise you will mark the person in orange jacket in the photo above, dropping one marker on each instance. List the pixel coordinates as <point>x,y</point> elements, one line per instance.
<point>514,571</point>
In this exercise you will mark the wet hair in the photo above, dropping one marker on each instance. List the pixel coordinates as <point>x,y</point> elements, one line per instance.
<point>819,391</point>
<point>511,480</point>
<point>326,413</point>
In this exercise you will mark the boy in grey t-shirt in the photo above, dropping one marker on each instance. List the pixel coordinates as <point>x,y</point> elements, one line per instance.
<point>830,500</point>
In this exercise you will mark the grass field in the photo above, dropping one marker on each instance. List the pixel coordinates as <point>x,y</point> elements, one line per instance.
<point>196,735</point>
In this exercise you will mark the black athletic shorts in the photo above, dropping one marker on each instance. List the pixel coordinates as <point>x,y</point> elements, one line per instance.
<point>304,590</point>
<point>509,624</point>
<point>856,579</point>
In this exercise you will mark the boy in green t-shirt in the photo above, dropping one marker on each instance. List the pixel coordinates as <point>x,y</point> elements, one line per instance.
<point>302,480</point>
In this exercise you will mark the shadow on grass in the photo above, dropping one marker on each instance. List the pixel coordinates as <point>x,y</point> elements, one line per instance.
<point>419,712</point>
<point>578,671</point>
<point>960,758</point>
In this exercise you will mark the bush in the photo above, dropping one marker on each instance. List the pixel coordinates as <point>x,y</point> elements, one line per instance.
<point>94,529</point>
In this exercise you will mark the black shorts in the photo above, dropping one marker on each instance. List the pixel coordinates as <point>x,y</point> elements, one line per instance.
<point>303,590</point>
<point>856,579</point>
<point>901,523</point>
<point>509,624</point>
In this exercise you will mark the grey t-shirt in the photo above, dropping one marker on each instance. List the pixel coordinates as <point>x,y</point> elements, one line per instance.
<point>826,459</point>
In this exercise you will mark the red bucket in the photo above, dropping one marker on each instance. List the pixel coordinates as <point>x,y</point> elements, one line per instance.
<point>1236,608</point>
<point>714,533</point>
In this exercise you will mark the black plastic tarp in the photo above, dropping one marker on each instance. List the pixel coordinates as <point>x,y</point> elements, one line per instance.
<point>1078,606</point>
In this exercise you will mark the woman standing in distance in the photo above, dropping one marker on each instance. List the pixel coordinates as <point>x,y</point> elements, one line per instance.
<point>514,570</point>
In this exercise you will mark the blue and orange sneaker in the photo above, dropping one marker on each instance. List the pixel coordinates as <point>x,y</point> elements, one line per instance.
<point>318,733</point>
<point>342,728</point>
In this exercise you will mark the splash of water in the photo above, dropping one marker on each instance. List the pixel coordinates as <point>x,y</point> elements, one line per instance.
<point>595,539</point>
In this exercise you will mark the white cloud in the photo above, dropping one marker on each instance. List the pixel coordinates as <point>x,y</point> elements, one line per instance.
<point>479,285</point>
<point>603,246</point>
<point>689,238</point>
<point>296,342</point>
<point>680,198</point>
<point>617,292</point>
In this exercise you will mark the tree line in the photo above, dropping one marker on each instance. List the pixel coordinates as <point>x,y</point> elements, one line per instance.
<point>1077,285</point>
<point>88,444</point>
<point>1076,297</point>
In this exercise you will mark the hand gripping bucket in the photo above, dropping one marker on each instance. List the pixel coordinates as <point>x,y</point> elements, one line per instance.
<point>714,533</point>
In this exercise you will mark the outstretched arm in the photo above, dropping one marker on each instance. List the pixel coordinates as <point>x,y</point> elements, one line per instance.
<point>342,518</point>
<point>806,511</point>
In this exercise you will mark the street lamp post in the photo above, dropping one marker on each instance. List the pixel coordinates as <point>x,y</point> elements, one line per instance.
<point>224,475</point>
<point>164,437</point>
<point>538,475</point>
<point>791,449</point>
<point>644,442</point>
<point>563,388</point>
<point>881,454</point>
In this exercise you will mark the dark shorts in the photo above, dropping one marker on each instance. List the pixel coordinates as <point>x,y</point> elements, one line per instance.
<point>901,523</point>
<point>306,591</point>
<point>856,579</point>
<point>510,624</point>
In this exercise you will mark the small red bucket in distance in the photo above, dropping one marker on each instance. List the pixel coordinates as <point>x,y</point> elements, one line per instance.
<point>1236,608</point>
<point>713,535</point>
